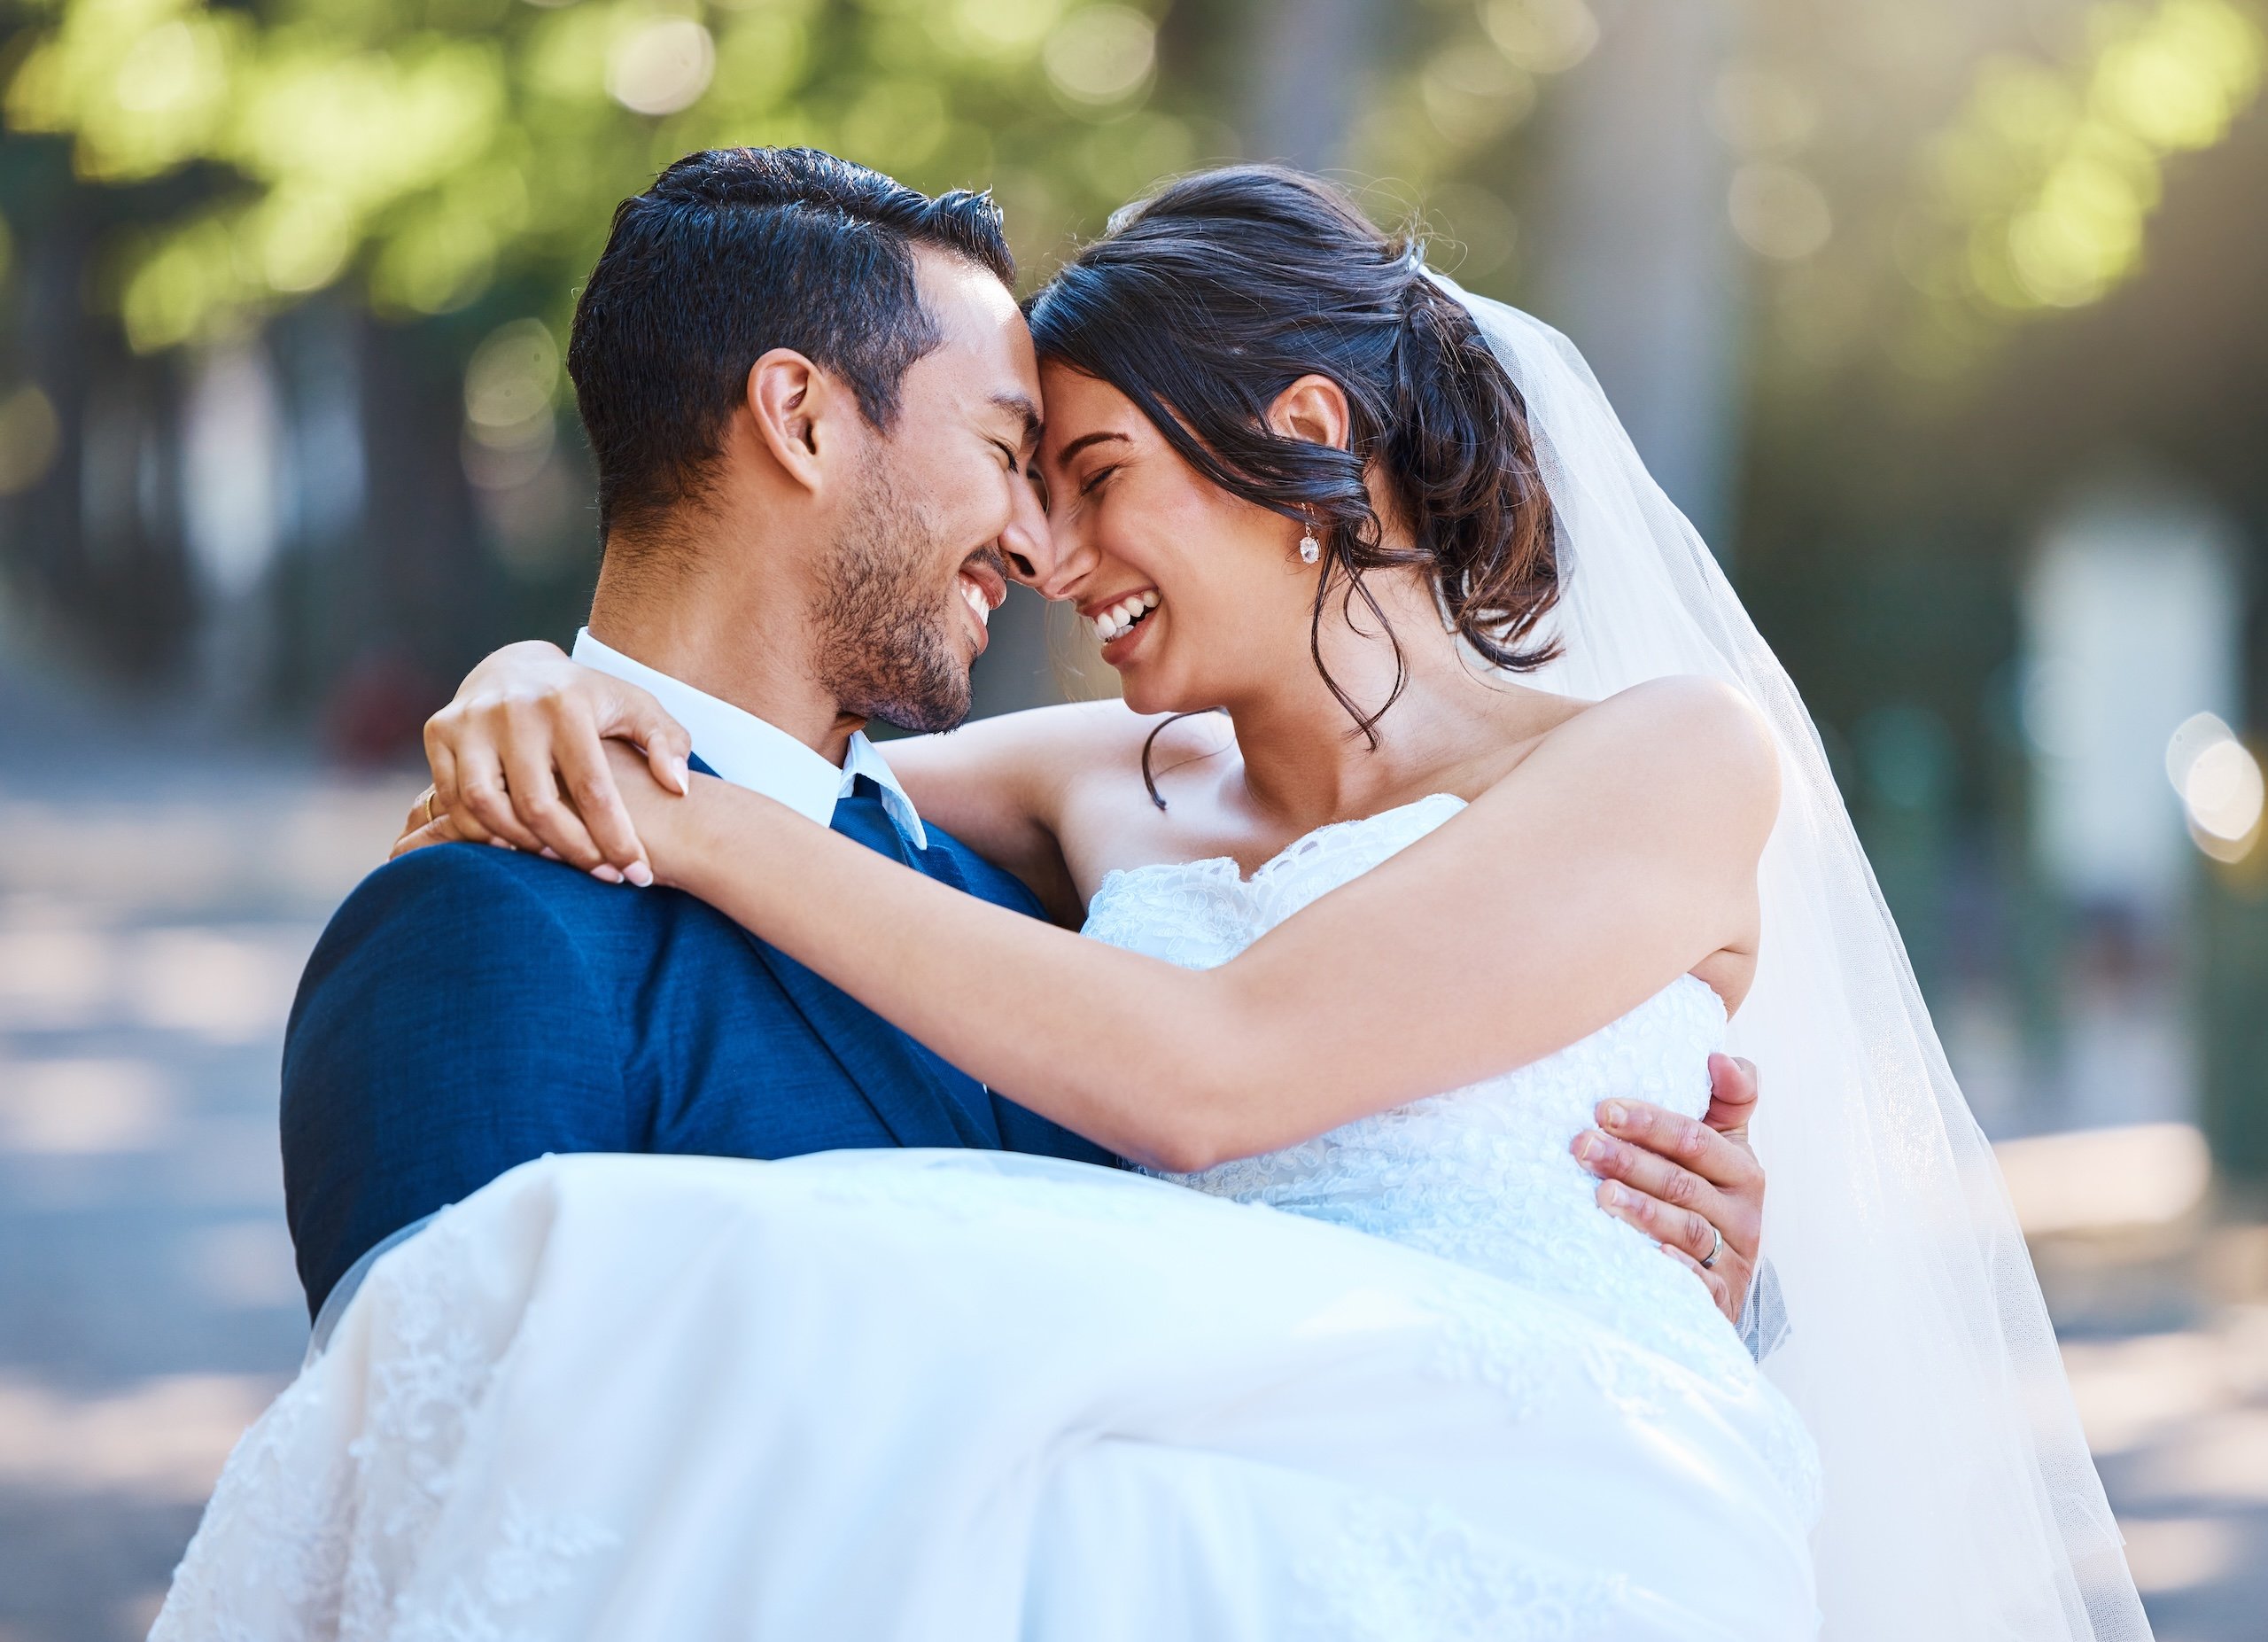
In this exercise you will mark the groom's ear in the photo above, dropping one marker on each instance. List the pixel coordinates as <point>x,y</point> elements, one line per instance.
<point>797,409</point>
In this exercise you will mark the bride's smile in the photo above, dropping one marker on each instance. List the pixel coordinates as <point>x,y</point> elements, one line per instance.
<point>1118,615</point>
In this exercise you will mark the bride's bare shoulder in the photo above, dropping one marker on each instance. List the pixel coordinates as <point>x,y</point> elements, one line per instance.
<point>1680,704</point>
<point>1684,738</point>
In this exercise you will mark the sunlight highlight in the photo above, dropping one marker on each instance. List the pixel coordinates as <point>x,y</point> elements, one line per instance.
<point>2050,176</point>
<point>2223,792</point>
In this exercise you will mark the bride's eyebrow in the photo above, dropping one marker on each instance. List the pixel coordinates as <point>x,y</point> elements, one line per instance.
<point>1083,441</point>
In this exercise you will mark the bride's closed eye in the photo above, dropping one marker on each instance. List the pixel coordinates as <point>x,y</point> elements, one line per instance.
<point>1087,486</point>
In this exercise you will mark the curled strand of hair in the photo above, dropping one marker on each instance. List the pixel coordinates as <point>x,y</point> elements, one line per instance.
<point>1365,723</point>
<point>1150,742</point>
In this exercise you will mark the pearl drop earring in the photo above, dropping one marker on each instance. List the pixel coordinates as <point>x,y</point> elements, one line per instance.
<point>1310,549</point>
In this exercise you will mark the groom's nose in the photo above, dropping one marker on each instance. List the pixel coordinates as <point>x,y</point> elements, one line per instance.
<point>1029,545</point>
<point>1046,559</point>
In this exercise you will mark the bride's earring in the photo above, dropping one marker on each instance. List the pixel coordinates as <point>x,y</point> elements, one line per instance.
<point>1310,549</point>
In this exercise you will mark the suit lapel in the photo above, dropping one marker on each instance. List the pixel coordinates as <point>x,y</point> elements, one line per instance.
<point>905,1092</point>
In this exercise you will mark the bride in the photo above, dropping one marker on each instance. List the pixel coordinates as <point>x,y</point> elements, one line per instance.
<point>1290,473</point>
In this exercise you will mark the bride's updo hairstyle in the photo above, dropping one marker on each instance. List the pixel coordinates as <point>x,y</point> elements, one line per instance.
<point>1205,301</point>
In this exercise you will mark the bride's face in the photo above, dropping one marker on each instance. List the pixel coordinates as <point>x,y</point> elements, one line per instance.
<point>1224,600</point>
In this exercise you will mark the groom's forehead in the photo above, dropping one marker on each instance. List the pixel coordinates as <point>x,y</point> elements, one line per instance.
<point>983,342</point>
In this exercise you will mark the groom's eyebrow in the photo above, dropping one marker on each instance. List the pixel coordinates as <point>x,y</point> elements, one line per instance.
<point>1024,412</point>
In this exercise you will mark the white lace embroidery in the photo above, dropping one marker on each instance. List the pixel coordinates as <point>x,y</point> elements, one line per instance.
<point>1482,1177</point>
<point>1399,1570</point>
<point>293,1548</point>
<point>290,1517</point>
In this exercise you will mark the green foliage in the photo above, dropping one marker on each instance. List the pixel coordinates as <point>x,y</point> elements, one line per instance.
<point>428,148</point>
<point>1924,180</point>
<point>1911,180</point>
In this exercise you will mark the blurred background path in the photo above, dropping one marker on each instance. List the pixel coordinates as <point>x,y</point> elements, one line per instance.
<point>156,904</point>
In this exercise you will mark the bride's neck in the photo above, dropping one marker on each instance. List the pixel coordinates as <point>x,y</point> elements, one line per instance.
<point>1306,763</point>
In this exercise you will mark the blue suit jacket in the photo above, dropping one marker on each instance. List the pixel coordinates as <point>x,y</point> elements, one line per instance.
<point>470,1008</point>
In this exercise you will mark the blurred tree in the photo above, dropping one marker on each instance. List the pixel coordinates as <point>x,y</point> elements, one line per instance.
<point>427,149</point>
<point>378,211</point>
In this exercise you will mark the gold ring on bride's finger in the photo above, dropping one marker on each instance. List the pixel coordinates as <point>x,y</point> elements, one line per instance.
<point>428,801</point>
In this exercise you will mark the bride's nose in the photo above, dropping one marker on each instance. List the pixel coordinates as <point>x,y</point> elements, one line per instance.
<point>1048,563</point>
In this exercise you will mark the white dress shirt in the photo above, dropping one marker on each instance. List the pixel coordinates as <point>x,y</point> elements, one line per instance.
<point>744,750</point>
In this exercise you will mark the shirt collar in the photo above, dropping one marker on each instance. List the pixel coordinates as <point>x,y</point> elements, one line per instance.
<point>744,750</point>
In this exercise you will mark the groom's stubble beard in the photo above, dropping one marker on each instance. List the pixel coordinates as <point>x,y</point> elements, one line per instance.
<point>885,652</point>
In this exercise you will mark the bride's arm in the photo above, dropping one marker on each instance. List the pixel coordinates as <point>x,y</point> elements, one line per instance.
<point>1000,785</point>
<point>1620,854</point>
<point>518,755</point>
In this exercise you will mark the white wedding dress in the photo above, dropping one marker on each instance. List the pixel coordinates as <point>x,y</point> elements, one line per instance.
<point>917,1394</point>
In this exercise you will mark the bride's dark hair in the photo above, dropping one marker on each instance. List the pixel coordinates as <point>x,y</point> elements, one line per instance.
<point>1205,301</point>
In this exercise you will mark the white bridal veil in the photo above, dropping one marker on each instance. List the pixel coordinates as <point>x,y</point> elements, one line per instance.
<point>1960,1500</point>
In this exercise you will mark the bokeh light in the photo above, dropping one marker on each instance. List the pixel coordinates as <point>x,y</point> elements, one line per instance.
<point>1542,36</point>
<point>1102,55</point>
<point>2049,174</point>
<point>1778,212</point>
<point>661,66</point>
<point>510,390</point>
<point>29,434</point>
<point>2219,780</point>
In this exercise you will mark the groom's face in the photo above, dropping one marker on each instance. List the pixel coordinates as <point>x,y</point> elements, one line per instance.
<point>920,560</point>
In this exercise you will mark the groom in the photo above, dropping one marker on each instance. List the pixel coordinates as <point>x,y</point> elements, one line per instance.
<point>811,398</point>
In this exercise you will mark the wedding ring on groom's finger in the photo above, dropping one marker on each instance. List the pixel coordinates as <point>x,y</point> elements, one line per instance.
<point>1717,1249</point>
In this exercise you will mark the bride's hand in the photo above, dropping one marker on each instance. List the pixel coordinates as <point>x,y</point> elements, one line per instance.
<point>665,821</point>
<point>518,758</point>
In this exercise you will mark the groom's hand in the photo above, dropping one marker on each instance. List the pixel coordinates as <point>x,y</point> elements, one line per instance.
<point>1684,1183</point>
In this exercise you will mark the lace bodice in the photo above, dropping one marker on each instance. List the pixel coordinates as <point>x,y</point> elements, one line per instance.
<point>1482,1176</point>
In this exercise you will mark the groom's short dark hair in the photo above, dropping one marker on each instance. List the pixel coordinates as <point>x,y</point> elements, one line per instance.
<point>735,252</point>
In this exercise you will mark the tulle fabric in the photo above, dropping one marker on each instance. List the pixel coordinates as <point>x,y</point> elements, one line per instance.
<point>891,1396</point>
<point>1960,1499</point>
